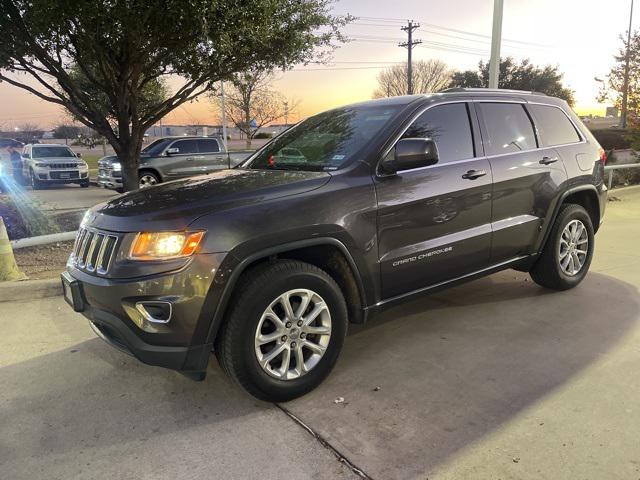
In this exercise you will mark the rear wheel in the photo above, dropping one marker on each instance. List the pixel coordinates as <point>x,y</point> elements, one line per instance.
<point>148,179</point>
<point>565,259</point>
<point>284,331</point>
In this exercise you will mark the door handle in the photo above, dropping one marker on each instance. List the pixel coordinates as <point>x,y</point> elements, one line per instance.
<point>473,174</point>
<point>547,160</point>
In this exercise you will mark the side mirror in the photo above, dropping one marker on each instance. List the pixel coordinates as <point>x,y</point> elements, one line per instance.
<point>172,151</point>
<point>411,153</point>
<point>79,155</point>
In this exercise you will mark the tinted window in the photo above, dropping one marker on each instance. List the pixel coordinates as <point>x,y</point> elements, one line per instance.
<point>155,148</point>
<point>326,141</point>
<point>509,128</point>
<point>186,146</point>
<point>208,146</point>
<point>554,126</point>
<point>49,152</point>
<point>448,125</point>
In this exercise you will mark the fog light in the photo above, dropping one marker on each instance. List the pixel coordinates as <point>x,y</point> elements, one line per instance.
<point>155,311</point>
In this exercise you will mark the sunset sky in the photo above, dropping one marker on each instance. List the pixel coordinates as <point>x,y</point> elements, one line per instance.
<point>581,36</point>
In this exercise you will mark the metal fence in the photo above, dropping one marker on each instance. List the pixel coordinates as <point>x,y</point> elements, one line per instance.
<point>611,168</point>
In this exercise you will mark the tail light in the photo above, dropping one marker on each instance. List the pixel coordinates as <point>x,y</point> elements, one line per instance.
<point>603,156</point>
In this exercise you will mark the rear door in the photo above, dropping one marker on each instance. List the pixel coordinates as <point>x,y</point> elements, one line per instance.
<point>526,177</point>
<point>184,162</point>
<point>434,223</point>
<point>212,159</point>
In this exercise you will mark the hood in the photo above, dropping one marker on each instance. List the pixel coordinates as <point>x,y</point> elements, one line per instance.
<point>175,205</point>
<point>111,159</point>
<point>58,160</point>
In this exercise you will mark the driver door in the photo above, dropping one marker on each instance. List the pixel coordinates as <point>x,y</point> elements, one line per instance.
<point>434,222</point>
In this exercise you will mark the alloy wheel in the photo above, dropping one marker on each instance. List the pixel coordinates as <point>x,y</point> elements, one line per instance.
<point>147,180</point>
<point>573,247</point>
<point>293,334</point>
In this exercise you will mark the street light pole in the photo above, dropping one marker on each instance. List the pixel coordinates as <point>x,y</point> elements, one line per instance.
<point>496,39</point>
<point>224,117</point>
<point>625,91</point>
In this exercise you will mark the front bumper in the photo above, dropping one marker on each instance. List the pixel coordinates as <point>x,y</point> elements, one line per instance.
<point>179,344</point>
<point>61,176</point>
<point>108,178</point>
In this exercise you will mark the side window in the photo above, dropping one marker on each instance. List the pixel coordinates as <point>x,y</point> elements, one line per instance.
<point>449,126</point>
<point>553,125</point>
<point>509,128</point>
<point>208,145</point>
<point>186,146</point>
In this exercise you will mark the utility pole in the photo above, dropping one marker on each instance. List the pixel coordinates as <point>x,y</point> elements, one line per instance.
<point>625,91</point>
<point>496,39</point>
<point>224,117</point>
<point>286,114</point>
<point>409,44</point>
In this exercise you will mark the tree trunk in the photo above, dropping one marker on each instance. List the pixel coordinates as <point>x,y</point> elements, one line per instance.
<point>129,162</point>
<point>248,142</point>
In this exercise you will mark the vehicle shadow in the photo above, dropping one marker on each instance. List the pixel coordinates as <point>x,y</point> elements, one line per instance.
<point>455,366</point>
<point>90,411</point>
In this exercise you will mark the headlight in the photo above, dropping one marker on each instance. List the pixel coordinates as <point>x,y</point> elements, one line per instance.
<point>165,245</point>
<point>40,164</point>
<point>116,167</point>
<point>83,165</point>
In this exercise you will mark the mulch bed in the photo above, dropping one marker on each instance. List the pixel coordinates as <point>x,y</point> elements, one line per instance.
<point>46,261</point>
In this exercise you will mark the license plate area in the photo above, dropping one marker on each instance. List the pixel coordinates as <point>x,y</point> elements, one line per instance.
<point>72,291</point>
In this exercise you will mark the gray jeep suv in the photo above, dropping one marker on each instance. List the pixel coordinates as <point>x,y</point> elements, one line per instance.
<point>343,215</point>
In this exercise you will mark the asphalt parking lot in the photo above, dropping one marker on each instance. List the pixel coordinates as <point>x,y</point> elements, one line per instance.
<point>497,378</point>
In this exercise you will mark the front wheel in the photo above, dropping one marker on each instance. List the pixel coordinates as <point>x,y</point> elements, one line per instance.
<point>565,259</point>
<point>35,183</point>
<point>284,332</point>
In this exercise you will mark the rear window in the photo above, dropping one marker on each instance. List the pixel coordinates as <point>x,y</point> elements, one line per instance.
<point>208,146</point>
<point>554,126</point>
<point>50,152</point>
<point>509,127</point>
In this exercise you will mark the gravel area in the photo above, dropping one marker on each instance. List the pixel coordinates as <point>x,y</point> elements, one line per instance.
<point>46,261</point>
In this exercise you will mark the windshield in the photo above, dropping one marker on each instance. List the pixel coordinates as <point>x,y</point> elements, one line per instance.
<point>50,152</point>
<point>156,147</point>
<point>324,142</point>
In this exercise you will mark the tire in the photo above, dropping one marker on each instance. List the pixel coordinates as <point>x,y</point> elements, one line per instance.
<point>548,271</point>
<point>237,346</point>
<point>35,183</point>
<point>84,184</point>
<point>148,179</point>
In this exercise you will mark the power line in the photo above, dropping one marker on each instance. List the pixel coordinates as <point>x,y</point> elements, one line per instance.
<point>391,22</point>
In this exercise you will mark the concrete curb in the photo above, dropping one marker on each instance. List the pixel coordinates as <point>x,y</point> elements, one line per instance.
<point>30,289</point>
<point>43,240</point>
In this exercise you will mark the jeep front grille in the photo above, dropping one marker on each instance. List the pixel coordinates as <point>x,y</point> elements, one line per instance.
<point>94,251</point>
<point>63,165</point>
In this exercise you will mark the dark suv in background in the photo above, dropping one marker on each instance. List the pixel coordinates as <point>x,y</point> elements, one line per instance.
<point>347,213</point>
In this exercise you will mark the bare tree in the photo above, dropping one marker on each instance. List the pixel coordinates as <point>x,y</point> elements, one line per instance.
<point>30,131</point>
<point>251,103</point>
<point>428,76</point>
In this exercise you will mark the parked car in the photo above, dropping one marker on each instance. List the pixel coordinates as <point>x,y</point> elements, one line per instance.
<point>53,164</point>
<point>168,158</point>
<point>10,142</point>
<point>267,263</point>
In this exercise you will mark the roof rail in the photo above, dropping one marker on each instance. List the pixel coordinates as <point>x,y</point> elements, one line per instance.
<point>489,90</point>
